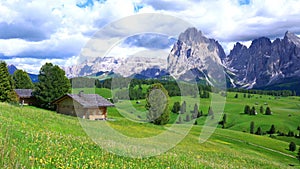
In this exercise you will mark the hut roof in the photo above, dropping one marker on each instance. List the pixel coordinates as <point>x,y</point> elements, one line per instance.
<point>87,100</point>
<point>24,93</point>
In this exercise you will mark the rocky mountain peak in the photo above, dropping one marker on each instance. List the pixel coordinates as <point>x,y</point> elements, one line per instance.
<point>192,35</point>
<point>238,46</point>
<point>193,52</point>
<point>261,42</point>
<point>265,62</point>
<point>291,37</point>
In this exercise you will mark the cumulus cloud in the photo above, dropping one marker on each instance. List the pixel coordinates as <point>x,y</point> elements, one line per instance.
<point>58,30</point>
<point>149,40</point>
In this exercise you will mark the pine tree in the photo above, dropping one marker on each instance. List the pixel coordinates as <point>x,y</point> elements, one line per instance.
<point>187,118</point>
<point>292,146</point>
<point>252,127</point>
<point>261,109</point>
<point>224,121</point>
<point>200,114</point>
<point>183,108</point>
<point>210,111</point>
<point>176,107</point>
<point>157,102</point>
<point>247,109</point>
<point>195,112</point>
<point>236,96</point>
<point>195,123</point>
<point>253,111</point>
<point>272,129</point>
<point>22,80</point>
<point>7,94</point>
<point>268,111</point>
<point>259,131</point>
<point>52,84</point>
<point>179,120</point>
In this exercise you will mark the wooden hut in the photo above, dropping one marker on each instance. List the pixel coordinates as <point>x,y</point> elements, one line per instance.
<point>89,106</point>
<point>25,96</point>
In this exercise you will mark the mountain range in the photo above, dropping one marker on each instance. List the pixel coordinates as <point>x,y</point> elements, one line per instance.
<point>13,68</point>
<point>265,64</point>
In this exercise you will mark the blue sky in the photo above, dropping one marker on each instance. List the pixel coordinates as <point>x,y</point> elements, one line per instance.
<point>35,32</point>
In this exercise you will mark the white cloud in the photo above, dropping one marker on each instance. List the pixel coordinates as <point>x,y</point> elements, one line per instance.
<point>57,30</point>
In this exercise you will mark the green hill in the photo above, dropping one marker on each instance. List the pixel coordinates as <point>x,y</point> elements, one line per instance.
<point>36,138</point>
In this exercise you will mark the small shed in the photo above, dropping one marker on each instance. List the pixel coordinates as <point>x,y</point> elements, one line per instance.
<point>87,106</point>
<point>25,96</point>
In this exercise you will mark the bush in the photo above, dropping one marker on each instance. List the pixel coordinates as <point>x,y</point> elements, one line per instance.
<point>176,107</point>
<point>292,146</point>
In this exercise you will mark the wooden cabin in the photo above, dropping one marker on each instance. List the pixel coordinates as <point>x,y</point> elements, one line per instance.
<point>25,96</point>
<point>87,106</point>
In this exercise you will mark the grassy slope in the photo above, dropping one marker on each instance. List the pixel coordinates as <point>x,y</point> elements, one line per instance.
<point>31,137</point>
<point>101,91</point>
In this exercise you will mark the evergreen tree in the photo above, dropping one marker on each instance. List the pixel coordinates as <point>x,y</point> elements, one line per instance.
<point>195,123</point>
<point>157,102</point>
<point>22,80</point>
<point>244,95</point>
<point>268,111</point>
<point>292,146</point>
<point>261,109</point>
<point>259,131</point>
<point>236,96</point>
<point>195,112</point>
<point>272,129</point>
<point>187,118</point>
<point>298,128</point>
<point>290,134</point>
<point>176,107</point>
<point>253,111</point>
<point>7,94</point>
<point>179,120</point>
<point>183,108</point>
<point>247,109</point>
<point>224,121</point>
<point>210,111</point>
<point>200,114</point>
<point>52,84</point>
<point>205,94</point>
<point>252,127</point>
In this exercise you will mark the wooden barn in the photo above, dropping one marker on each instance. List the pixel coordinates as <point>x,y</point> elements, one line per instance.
<point>88,106</point>
<point>25,96</point>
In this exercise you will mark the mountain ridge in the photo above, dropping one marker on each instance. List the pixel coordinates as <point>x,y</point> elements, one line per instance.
<point>265,62</point>
<point>12,68</point>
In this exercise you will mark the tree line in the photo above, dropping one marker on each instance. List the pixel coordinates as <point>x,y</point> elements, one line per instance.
<point>283,93</point>
<point>52,84</point>
<point>136,90</point>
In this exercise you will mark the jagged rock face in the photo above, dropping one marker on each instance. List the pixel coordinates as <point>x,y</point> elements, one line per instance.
<point>93,66</point>
<point>265,62</point>
<point>125,67</point>
<point>194,53</point>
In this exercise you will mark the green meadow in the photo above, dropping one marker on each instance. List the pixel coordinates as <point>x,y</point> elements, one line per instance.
<point>35,138</point>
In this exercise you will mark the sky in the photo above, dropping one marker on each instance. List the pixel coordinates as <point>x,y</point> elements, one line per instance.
<point>35,32</point>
